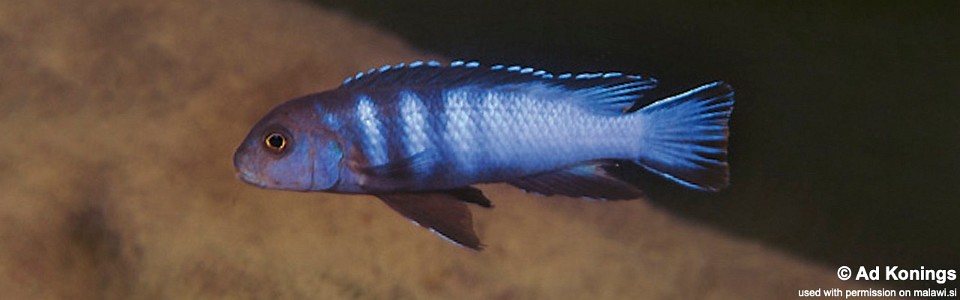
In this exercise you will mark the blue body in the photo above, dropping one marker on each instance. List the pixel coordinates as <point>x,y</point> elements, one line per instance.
<point>424,127</point>
<point>474,134</point>
<point>418,135</point>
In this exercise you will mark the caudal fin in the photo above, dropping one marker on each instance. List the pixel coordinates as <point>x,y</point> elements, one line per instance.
<point>685,137</point>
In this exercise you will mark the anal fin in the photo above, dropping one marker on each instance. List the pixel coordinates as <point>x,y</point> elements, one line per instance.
<point>443,212</point>
<point>590,180</point>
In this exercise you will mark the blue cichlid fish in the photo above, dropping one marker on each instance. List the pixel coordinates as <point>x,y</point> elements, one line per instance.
<point>419,135</point>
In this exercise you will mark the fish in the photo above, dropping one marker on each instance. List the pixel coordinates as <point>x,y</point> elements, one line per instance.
<point>419,136</point>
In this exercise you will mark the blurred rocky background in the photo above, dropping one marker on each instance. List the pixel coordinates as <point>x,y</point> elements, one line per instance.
<point>119,120</point>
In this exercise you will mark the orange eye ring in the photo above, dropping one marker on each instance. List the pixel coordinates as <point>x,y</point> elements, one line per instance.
<point>275,141</point>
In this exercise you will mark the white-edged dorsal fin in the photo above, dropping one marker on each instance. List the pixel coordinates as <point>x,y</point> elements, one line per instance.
<point>608,92</point>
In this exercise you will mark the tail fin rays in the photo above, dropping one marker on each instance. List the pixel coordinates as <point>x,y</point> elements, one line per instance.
<point>685,137</point>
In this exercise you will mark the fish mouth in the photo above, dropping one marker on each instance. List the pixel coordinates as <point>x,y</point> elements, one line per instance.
<point>253,180</point>
<point>250,179</point>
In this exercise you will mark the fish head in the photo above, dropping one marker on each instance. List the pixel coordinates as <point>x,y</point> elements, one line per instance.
<point>290,149</point>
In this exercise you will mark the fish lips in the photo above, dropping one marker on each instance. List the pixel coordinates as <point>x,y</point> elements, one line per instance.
<point>250,179</point>
<point>243,173</point>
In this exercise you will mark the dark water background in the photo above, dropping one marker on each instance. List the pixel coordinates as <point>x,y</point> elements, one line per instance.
<point>845,136</point>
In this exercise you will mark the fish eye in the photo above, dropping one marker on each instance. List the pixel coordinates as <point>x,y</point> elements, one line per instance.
<point>275,141</point>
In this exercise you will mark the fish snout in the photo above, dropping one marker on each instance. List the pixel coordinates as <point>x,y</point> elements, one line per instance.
<point>243,169</point>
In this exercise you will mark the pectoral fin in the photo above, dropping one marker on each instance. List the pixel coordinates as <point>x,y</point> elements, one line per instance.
<point>396,174</point>
<point>404,167</point>
<point>444,212</point>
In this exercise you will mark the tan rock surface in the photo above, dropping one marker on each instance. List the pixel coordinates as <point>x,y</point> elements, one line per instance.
<point>119,122</point>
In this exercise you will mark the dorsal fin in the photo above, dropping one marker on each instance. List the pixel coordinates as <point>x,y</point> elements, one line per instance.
<point>610,91</point>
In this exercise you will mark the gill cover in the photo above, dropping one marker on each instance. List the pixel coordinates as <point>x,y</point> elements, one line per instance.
<point>326,164</point>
